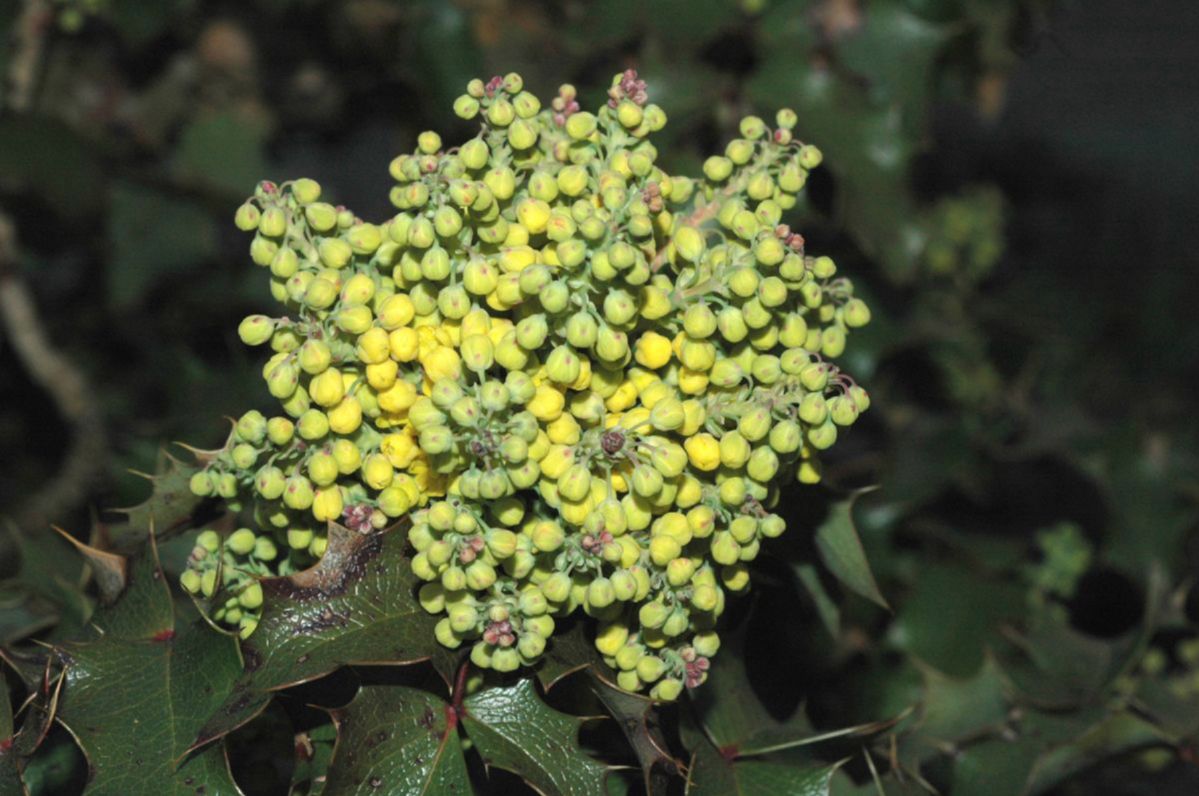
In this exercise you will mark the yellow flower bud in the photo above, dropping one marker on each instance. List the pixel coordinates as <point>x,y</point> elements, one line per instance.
<point>704,452</point>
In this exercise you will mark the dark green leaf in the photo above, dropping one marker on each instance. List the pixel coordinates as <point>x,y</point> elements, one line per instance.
<point>514,730</point>
<point>841,551</point>
<point>1117,734</point>
<point>830,614</point>
<point>135,697</point>
<point>638,719</point>
<point>139,23</point>
<point>731,713</point>
<point>48,159</point>
<point>1006,764</point>
<point>570,650</point>
<point>444,47</point>
<point>357,605</point>
<point>951,614</point>
<point>47,588</point>
<point>712,774</point>
<point>393,739</point>
<point>145,609</point>
<point>154,236</point>
<point>894,51</point>
<point>166,512</point>
<point>955,710</point>
<point>222,152</point>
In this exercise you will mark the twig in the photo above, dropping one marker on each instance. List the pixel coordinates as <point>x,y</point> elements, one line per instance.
<point>47,367</point>
<point>29,41</point>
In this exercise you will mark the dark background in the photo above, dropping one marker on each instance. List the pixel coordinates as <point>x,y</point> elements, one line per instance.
<point>1009,182</point>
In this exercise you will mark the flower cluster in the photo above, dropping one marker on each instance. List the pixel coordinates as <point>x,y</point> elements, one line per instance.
<point>582,379</point>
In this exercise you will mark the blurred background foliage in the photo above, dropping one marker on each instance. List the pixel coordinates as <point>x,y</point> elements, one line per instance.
<point>1009,181</point>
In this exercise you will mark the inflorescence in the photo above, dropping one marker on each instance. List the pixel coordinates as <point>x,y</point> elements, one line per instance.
<point>582,379</point>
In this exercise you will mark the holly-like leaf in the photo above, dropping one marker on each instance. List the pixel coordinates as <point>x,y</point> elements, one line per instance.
<point>356,605</point>
<point>894,51</point>
<point>154,236</point>
<point>956,710</point>
<point>714,774</point>
<point>46,588</point>
<point>736,724</point>
<point>733,717</point>
<point>223,152</point>
<point>569,651</point>
<point>50,160</point>
<point>841,551</point>
<point>167,511</point>
<point>394,739</point>
<point>1117,734</point>
<point>638,720</point>
<point>828,610</point>
<point>135,696</point>
<point>108,569</point>
<point>144,608</point>
<point>514,730</point>
<point>951,634</point>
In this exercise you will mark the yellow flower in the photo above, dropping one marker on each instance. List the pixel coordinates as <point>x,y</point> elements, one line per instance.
<point>655,303</point>
<point>346,417</point>
<point>516,258</point>
<point>652,350</point>
<point>404,344</point>
<point>327,505</point>
<point>377,471</point>
<point>564,430</point>
<point>327,388</point>
<point>692,382</point>
<point>382,375</point>
<point>396,310</point>
<point>533,214</point>
<point>624,397</point>
<point>476,321</point>
<point>442,362</point>
<point>373,345</point>
<point>398,397</point>
<point>704,452</point>
<point>400,449</point>
<point>547,404</point>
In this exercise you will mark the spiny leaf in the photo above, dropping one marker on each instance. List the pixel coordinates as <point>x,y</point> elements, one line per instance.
<point>134,697</point>
<point>732,715</point>
<point>167,510</point>
<point>737,723</point>
<point>107,568</point>
<point>894,51</point>
<point>1115,735</point>
<point>955,710</point>
<point>638,719</point>
<point>154,236</point>
<point>829,612</point>
<point>569,651</point>
<point>514,730</point>
<point>145,608</point>
<point>356,605</point>
<point>712,774</point>
<point>46,588</point>
<point>394,739</point>
<point>841,550</point>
